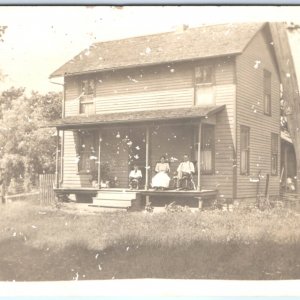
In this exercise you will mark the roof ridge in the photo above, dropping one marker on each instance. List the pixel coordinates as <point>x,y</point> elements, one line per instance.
<point>174,31</point>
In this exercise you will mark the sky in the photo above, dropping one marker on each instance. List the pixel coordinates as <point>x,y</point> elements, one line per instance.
<point>39,39</point>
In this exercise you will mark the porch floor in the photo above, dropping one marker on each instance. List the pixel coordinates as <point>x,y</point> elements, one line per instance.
<point>150,192</point>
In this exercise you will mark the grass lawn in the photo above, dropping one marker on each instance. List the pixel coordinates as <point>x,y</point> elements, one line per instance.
<point>38,243</point>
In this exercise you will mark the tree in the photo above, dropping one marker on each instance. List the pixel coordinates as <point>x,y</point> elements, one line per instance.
<point>2,31</point>
<point>290,90</point>
<point>26,149</point>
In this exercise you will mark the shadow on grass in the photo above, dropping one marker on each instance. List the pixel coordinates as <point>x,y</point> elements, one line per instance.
<point>203,260</point>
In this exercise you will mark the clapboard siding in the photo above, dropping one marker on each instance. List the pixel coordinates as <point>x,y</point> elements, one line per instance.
<point>145,100</point>
<point>147,79</point>
<point>148,88</point>
<point>250,113</point>
<point>71,177</point>
<point>71,97</point>
<point>224,134</point>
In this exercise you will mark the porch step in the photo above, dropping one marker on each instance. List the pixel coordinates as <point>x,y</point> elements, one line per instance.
<point>107,195</point>
<point>115,199</point>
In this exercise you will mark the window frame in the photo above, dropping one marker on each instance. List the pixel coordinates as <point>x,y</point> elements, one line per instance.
<point>276,136</point>
<point>86,98</point>
<point>209,127</point>
<point>204,84</point>
<point>245,129</point>
<point>267,92</point>
<point>194,153</point>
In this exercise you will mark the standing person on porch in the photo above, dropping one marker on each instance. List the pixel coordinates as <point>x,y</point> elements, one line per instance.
<point>185,171</point>
<point>161,180</point>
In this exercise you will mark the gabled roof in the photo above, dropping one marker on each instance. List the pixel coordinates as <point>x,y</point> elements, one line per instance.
<point>81,121</point>
<point>189,44</point>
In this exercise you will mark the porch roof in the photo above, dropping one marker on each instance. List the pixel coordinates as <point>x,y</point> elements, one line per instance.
<point>80,121</point>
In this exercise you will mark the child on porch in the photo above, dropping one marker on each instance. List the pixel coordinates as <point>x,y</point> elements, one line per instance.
<point>135,177</point>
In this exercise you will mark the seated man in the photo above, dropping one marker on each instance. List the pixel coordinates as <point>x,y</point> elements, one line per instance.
<point>185,174</point>
<point>135,177</point>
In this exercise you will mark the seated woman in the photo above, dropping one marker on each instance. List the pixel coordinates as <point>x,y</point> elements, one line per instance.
<point>135,177</point>
<point>161,180</point>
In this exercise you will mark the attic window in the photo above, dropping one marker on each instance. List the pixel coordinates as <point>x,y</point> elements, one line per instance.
<point>87,97</point>
<point>204,89</point>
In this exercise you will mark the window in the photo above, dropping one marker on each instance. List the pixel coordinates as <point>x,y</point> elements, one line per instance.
<point>245,154</point>
<point>87,93</point>
<point>204,91</point>
<point>207,149</point>
<point>207,157</point>
<point>267,92</point>
<point>87,152</point>
<point>274,154</point>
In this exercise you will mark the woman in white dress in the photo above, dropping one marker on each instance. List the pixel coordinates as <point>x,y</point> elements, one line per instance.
<point>161,179</point>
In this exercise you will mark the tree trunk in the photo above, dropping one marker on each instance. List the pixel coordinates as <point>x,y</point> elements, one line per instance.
<point>290,90</point>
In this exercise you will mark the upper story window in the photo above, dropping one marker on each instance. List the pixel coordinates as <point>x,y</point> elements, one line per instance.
<point>87,93</point>
<point>245,150</point>
<point>267,93</point>
<point>274,154</point>
<point>204,85</point>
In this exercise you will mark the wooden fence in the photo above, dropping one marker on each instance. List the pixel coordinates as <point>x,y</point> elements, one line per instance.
<point>47,195</point>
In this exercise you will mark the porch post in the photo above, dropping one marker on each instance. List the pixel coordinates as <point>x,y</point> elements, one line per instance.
<point>57,160</point>
<point>199,156</point>
<point>147,159</point>
<point>99,160</point>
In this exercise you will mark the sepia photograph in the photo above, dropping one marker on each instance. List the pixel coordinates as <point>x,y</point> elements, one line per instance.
<point>149,142</point>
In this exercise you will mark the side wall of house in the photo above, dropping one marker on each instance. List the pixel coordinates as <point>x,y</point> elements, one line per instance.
<point>160,87</point>
<point>250,112</point>
<point>225,93</point>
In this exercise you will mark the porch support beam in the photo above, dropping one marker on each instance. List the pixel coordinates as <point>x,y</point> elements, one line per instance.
<point>57,160</point>
<point>99,159</point>
<point>147,158</point>
<point>199,156</point>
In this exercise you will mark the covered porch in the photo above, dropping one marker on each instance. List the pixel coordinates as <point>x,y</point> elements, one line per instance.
<point>96,153</point>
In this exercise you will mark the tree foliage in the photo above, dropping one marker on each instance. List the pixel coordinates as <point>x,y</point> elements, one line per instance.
<point>26,149</point>
<point>2,31</point>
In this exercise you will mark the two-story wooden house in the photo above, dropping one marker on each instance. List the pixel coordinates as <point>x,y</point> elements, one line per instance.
<point>211,92</point>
